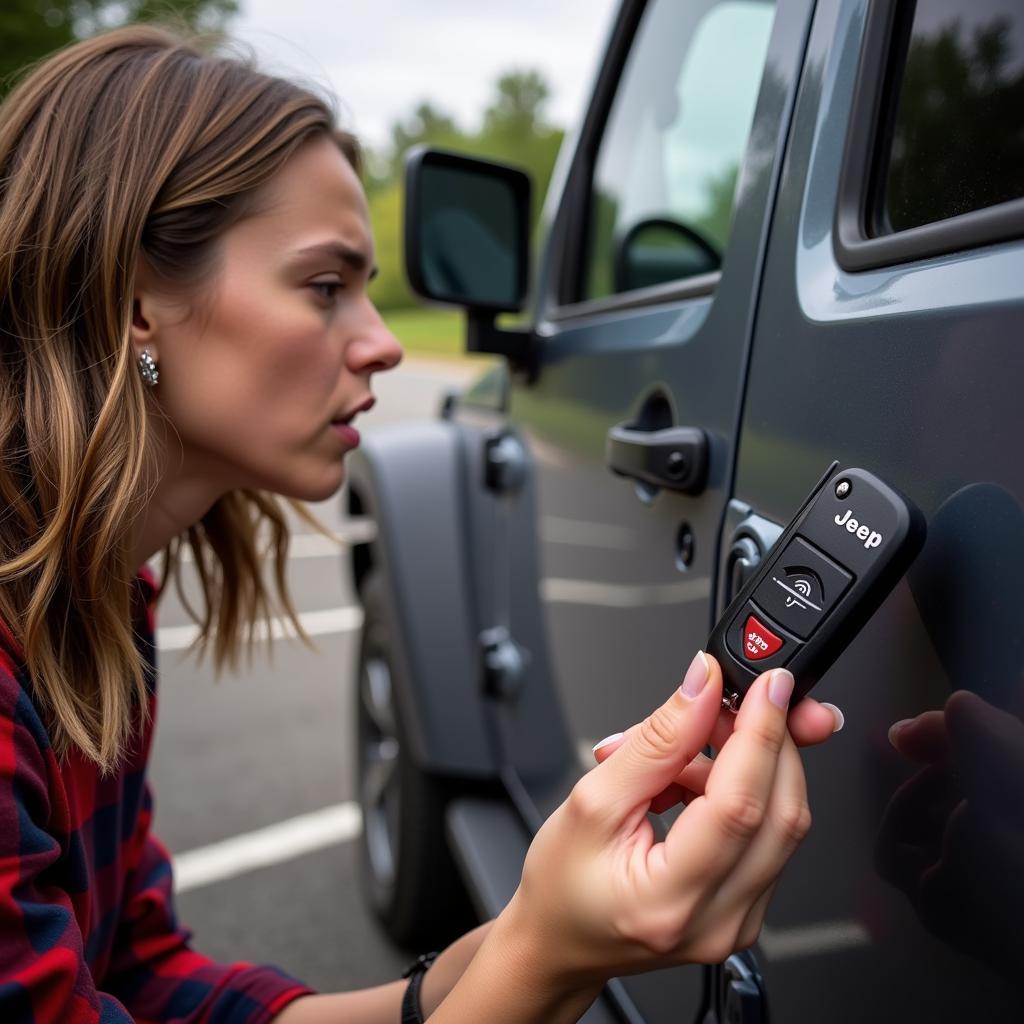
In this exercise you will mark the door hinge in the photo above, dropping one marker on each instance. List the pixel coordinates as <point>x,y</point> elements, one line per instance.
<point>504,663</point>
<point>504,463</point>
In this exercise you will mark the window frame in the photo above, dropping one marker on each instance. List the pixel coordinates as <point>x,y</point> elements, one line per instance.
<point>572,233</point>
<point>866,153</point>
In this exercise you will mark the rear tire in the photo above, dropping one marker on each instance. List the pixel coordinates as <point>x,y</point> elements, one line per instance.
<point>411,882</point>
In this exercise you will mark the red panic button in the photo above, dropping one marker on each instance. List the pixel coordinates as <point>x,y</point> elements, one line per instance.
<point>759,641</point>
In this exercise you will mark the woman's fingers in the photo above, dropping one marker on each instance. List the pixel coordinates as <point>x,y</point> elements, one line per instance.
<point>812,722</point>
<point>753,922</point>
<point>687,785</point>
<point>715,831</point>
<point>617,793</point>
<point>809,722</point>
<point>787,820</point>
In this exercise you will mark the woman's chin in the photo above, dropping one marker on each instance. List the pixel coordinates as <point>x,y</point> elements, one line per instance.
<point>322,489</point>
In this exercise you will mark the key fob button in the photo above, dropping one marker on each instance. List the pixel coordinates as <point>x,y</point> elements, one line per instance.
<point>759,641</point>
<point>802,587</point>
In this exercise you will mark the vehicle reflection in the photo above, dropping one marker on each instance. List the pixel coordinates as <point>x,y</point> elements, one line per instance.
<point>952,835</point>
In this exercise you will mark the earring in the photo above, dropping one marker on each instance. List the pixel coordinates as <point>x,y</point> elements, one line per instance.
<point>147,368</point>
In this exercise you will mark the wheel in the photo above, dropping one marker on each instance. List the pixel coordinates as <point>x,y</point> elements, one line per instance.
<point>411,882</point>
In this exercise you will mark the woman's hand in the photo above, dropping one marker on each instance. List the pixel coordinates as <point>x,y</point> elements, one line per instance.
<point>601,897</point>
<point>809,722</point>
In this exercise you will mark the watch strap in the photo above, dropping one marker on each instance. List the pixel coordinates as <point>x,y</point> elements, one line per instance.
<point>412,1009</point>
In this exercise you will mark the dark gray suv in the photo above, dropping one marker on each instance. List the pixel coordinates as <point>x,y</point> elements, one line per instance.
<point>795,229</point>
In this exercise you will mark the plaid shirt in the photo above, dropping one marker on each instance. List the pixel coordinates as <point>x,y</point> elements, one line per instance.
<point>88,933</point>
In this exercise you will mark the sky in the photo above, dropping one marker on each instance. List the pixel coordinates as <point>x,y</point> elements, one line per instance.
<point>380,57</point>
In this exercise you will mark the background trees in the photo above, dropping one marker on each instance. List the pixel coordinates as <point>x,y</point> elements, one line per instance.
<point>30,29</point>
<point>513,127</point>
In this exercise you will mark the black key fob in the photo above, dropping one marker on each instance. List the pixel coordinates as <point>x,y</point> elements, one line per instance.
<point>834,564</point>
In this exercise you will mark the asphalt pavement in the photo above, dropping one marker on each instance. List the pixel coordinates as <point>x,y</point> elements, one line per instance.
<point>253,773</point>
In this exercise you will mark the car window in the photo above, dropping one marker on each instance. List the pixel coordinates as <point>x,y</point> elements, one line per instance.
<point>957,142</point>
<point>666,170</point>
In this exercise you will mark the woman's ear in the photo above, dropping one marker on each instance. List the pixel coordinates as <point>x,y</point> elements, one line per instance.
<point>146,315</point>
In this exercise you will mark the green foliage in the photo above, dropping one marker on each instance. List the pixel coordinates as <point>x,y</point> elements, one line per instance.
<point>31,29</point>
<point>389,289</point>
<point>518,108</point>
<point>720,192</point>
<point>427,330</point>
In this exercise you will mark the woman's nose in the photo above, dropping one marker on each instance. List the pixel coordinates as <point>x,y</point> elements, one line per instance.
<point>376,349</point>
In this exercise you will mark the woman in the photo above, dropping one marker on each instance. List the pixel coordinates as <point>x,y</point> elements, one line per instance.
<point>184,255</point>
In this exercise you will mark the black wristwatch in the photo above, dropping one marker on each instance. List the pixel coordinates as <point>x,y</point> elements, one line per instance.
<point>412,1011</point>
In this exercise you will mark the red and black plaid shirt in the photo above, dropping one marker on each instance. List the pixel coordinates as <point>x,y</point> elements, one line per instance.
<point>88,932</point>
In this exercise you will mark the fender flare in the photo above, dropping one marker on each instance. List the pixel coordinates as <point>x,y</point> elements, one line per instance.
<point>410,479</point>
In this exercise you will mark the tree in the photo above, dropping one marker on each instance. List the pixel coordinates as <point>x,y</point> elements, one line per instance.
<point>517,110</point>
<point>425,125</point>
<point>31,29</point>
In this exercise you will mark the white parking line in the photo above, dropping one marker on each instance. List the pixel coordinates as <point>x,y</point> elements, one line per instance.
<point>622,595</point>
<point>319,623</point>
<point>558,530</point>
<point>315,545</point>
<point>265,847</point>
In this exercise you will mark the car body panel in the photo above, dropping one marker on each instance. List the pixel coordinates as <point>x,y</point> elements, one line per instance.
<point>913,370</point>
<point>898,907</point>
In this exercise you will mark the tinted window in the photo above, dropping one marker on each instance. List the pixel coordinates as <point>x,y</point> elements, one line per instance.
<point>957,143</point>
<point>666,171</point>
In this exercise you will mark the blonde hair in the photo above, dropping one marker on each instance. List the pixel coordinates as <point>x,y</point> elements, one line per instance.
<point>138,141</point>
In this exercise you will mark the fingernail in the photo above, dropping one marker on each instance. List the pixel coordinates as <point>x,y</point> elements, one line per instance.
<point>837,715</point>
<point>696,676</point>
<point>608,739</point>
<point>896,728</point>
<point>780,687</point>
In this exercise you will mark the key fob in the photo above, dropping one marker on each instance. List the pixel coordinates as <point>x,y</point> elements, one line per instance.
<point>836,561</point>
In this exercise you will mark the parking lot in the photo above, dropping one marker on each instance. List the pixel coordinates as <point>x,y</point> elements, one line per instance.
<point>253,774</point>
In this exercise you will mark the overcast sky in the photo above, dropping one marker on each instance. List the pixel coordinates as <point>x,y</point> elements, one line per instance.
<point>379,57</point>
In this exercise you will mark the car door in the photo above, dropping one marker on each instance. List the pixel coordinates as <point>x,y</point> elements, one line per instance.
<point>889,336</point>
<point>648,296</point>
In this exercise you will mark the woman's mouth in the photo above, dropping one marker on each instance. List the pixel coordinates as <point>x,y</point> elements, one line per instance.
<point>348,433</point>
<point>342,426</point>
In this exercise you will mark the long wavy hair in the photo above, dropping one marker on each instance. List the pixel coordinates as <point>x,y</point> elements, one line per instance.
<point>140,141</point>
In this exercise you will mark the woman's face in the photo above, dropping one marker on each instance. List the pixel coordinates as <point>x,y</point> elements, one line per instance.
<point>257,379</point>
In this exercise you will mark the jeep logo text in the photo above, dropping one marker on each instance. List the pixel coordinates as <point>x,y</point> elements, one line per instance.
<point>870,537</point>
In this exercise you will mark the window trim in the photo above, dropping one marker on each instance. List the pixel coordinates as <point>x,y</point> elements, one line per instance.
<point>855,248</point>
<point>695,286</point>
<point>571,232</point>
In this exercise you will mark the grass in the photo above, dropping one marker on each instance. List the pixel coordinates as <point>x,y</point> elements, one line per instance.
<point>429,332</point>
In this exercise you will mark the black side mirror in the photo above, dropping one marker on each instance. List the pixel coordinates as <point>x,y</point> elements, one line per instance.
<point>467,236</point>
<point>467,225</point>
<point>660,249</point>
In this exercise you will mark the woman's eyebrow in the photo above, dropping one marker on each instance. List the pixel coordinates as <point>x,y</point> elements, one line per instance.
<point>356,259</point>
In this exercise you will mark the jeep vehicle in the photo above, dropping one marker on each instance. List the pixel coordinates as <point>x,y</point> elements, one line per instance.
<point>783,234</point>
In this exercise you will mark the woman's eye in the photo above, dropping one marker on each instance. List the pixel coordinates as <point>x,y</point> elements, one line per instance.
<point>326,290</point>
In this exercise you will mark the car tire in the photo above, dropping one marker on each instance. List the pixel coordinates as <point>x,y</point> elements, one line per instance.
<point>411,882</point>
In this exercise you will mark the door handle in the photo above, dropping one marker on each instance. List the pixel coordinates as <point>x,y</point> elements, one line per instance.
<point>675,458</point>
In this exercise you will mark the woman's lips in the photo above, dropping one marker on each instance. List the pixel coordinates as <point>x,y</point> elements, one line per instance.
<point>347,433</point>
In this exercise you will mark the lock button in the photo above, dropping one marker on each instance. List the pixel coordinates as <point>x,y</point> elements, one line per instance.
<point>758,642</point>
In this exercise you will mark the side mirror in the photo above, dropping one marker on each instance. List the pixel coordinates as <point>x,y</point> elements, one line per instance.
<point>467,226</point>
<point>467,234</point>
<point>657,250</point>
